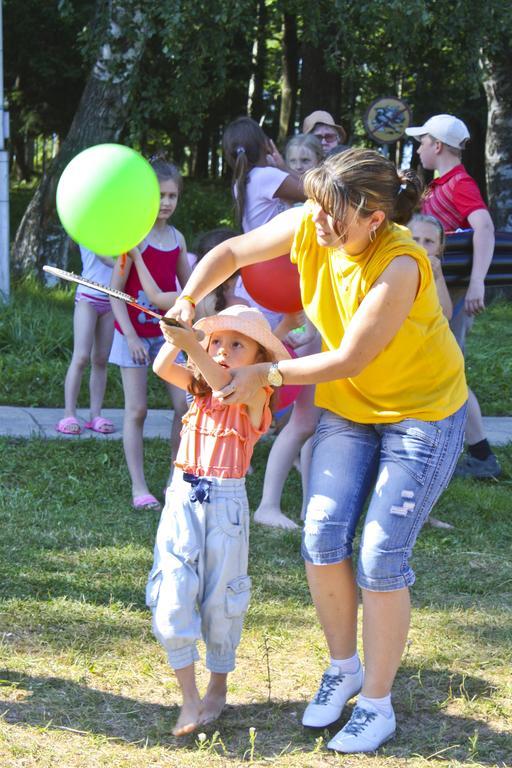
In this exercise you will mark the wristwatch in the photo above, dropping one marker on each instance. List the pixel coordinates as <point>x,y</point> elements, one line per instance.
<point>274,376</point>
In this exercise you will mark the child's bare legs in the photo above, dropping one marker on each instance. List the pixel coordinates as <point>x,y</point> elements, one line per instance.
<point>84,323</point>
<point>282,455</point>
<point>135,410</point>
<point>215,698</point>
<point>99,358</point>
<point>188,719</point>
<point>179,406</point>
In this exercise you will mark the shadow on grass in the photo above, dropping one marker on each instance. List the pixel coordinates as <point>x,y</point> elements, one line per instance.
<point>425,729</point>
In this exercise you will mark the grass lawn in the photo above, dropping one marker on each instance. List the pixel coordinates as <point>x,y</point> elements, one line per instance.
<point>83,682</point>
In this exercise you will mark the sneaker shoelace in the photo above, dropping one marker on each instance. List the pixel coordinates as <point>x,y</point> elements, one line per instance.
<point>328,685</point>
<point>359,720</point>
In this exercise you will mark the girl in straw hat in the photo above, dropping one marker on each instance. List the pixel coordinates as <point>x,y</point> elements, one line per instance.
<point>198,586</point>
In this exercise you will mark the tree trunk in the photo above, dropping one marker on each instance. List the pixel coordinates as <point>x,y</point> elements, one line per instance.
<point>498,149</point>
<point>100,118</point>
<point>290,60</point>
<point>255,101</point>
<point>321,88</point>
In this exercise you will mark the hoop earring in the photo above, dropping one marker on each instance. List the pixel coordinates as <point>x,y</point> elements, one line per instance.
<point>373,235</point>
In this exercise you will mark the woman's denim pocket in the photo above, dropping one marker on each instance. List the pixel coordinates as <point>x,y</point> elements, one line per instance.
<point>412,444</point>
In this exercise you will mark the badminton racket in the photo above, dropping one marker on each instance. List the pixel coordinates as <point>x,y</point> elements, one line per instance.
<point>115,293</point>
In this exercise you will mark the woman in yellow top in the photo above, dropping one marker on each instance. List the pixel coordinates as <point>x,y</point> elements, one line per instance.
<point>391,382</point>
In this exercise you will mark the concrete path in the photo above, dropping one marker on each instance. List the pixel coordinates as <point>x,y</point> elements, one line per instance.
<point>18,421</point>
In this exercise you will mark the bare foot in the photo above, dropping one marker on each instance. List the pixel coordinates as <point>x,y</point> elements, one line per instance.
<point>212,705</point>
<point>188,719</point>
<point>274,518</point>
<point>436,523</point>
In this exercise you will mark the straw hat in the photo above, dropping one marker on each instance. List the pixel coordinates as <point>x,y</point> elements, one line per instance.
<point>247,320</point>
<point>324,118</point>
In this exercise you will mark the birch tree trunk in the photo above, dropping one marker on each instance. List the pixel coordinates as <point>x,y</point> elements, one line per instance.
<point>497,67</point>
<point>101,115</point>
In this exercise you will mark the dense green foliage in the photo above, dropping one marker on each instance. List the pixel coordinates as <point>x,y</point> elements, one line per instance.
<point>200,63</point>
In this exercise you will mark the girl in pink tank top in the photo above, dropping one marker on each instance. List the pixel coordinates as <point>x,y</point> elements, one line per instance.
<point>199,586</point>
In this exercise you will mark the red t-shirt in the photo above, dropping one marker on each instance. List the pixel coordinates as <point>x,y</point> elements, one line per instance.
<point>162,265</point>
<point>452,198</point>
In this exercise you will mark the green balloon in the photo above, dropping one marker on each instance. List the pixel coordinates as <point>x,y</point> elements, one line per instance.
<point>108,198</point>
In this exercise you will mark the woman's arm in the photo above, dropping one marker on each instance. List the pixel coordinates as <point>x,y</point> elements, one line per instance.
<point>374,325</point>
<point>262,244</point>
<point>161,299</point>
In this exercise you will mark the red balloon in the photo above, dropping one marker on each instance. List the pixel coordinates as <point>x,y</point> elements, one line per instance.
<point>274,284</point>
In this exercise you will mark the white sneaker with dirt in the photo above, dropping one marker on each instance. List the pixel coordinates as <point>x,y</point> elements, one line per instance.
<point>336,688</point>
<point>366,731</point>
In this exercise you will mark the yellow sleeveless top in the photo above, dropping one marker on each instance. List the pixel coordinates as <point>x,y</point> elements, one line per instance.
<point>420,374</point>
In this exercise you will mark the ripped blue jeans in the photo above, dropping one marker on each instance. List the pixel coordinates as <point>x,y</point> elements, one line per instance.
<point>403,467</point>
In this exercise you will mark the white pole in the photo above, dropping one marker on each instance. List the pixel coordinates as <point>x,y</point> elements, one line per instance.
<point>4,181</point>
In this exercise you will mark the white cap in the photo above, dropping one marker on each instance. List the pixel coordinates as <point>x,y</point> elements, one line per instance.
<point>446,128</point>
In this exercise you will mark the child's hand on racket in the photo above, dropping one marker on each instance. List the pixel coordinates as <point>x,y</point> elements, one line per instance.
<point>182,336</point>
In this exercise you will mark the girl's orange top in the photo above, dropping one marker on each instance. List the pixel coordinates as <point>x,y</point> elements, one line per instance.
<point>218,440</point>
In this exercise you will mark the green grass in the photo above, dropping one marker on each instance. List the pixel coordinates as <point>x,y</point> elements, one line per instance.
<point>83,683</point>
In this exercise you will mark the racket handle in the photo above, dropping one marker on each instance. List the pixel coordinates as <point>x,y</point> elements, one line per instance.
<point>175,324</point>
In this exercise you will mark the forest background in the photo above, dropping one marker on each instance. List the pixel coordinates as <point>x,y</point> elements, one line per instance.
<point>172,74</point>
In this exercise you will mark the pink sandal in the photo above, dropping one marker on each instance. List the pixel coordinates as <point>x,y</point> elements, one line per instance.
<point>146,502</point>
<point>69,426</point>
<point>101,425</point>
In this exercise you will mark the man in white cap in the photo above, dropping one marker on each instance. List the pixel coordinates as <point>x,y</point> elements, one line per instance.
<point>454,198</point>
<point>322,125</point>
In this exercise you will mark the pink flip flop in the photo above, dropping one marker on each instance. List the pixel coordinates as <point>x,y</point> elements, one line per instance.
<point>101,425</point>
<point>146,502</point>
<point>69,426</point>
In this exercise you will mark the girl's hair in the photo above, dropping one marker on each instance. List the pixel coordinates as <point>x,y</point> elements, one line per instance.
<point>204,244</point>
<point>308,140</point>
<point>245,145</point>
<point>166,170</point>
<point>425,218</point>
<point>366,181</point>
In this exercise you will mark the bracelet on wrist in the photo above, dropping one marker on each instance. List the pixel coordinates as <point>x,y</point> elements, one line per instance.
<point>189,299</point>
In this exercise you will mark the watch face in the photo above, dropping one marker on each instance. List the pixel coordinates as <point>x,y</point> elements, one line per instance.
<point>386,119</point>
<point>275,378</point>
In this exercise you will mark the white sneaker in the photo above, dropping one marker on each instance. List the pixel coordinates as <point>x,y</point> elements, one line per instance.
<point>336,688</point>
<point>365,732</point>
